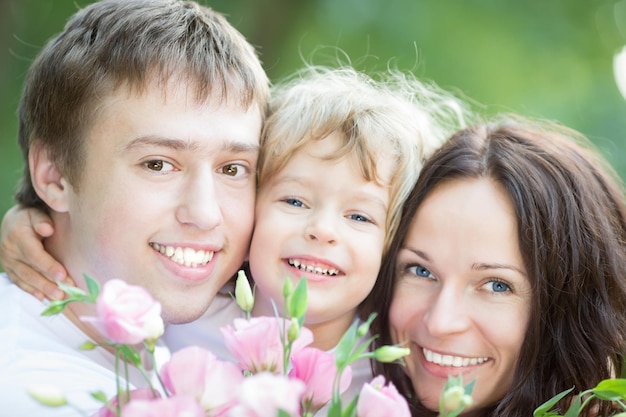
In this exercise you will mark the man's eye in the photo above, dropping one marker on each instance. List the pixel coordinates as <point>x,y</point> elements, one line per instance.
<point>158,165</point>
<point>231,170</point>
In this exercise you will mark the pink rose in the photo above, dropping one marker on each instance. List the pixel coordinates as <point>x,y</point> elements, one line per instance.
<point>175,406</point>
<point>136,394</point>
<point>256,343</point>
<point>264,394</point>
<point>379,400</point>
<point>196,372</point>
<point>127,314</point>
<point>317,369</point>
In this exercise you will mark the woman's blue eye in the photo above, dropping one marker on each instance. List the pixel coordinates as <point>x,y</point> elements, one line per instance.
<point>294,202</point>
<point>420,271</point>
<point>499,286</point>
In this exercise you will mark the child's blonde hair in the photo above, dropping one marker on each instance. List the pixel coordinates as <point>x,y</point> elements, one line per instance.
<point>394,115</point>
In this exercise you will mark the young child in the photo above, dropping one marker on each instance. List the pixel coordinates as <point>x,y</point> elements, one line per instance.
<point>340,152</point>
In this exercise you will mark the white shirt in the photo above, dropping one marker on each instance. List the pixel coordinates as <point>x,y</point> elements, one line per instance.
<point>205,331</point>
<point>36,350</point>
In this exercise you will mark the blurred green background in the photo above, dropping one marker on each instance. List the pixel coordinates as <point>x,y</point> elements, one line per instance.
<point>540,58</point>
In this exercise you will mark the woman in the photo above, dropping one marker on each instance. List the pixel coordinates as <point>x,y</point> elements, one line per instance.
<point>510,269</point>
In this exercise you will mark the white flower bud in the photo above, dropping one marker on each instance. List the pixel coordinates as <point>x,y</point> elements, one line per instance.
<point>453,398</point>
<point>243,292</point>
<point>49,395</point>
<point>390,353</point>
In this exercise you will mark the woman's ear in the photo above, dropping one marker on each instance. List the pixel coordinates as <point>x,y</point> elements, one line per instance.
<point>48,181</point>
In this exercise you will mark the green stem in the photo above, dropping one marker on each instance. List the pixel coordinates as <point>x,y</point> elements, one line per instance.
<point>118,406</point>
<point>147,377</point>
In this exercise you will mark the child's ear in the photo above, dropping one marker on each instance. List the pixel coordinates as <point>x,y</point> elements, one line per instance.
<point>47,180</point>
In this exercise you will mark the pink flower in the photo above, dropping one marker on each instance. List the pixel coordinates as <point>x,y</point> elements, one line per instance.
<point>256,343</point>
<point>175,406</point>
<point>196,372</point>
<point>379,400</point>
<point>136,394</point>
<point>264,394</point>
<point>127,314</point>
<point>317,369</point>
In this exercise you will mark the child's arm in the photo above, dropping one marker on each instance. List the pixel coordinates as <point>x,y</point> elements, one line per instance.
<point>23,255</point>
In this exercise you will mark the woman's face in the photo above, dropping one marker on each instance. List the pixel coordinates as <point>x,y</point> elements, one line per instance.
<point>462,297</point>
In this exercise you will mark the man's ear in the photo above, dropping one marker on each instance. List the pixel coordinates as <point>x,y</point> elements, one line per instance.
<point>48,181</point>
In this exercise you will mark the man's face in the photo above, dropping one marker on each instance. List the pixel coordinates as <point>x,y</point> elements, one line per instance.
<point>166,198</point>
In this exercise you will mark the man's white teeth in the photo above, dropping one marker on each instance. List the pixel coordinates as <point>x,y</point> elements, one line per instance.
<point>185,256</point>
<point>311,268</point>
<point>449,360</point>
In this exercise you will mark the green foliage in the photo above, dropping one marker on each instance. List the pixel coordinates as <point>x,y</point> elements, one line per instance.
<point>74,294</point>
<point>613,390</point>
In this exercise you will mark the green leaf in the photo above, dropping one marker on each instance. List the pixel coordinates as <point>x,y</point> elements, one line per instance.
<point>73,292</point>
<point>345,345</point>
<point>574,408</point>
<point>365,327</point>
<point>543,409</point>
<point>283,413</point>
<point>298,300</point>
<point>608,395</point>
<point>334,408</point>
<point>129,354</point>
<point>350,410</point>
<point>469,388</point>
<point>88,345</point>
<point>93,287</point>
<point>100,396</point>
<point>359,350</point>
<point>613,389</point>
<point>55,307</point>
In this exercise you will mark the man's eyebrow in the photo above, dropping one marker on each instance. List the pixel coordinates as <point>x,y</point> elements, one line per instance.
<point>176,144</point>
<point>188,145</point>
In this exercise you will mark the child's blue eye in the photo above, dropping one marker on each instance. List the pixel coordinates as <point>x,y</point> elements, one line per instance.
<point>358,218</point>
<point>294,202</point>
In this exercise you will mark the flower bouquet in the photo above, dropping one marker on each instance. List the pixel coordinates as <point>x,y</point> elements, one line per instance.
<point>276,373</point>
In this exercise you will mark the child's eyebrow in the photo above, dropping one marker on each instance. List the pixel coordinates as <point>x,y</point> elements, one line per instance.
<point>355,196</point>
<point>367,198</point>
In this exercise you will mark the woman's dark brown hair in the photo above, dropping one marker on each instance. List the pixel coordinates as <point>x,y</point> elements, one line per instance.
<point>571,213</point>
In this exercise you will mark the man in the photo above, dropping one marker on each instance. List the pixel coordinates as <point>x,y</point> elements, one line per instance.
<point>140,123</point>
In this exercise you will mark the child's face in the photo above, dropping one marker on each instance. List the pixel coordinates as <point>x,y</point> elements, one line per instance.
<point>320,220</point>
<point>462,298</point>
